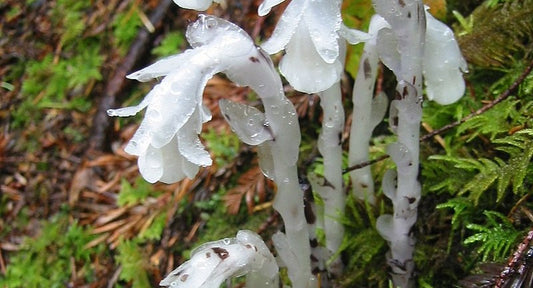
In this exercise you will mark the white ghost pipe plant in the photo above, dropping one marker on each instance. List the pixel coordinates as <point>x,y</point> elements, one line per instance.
<point>313,37</point>
<point>368,112</point>
<point>220,46</point>
<point>408,27</point>
<point>415,45</point>
<point>214,262</point>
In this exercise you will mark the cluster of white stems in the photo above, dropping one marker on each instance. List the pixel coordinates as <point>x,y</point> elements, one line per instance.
<point>402,35</point>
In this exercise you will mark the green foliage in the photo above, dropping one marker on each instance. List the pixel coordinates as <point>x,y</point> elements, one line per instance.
<point>362,245</point>
<point>132,261</point>
<point>500,31</point>
<point>495,237</point>
<point>45,261</point>
<point>155,230</point>
<point>68,17</point>
<point>125,27</point>
<point>224,146</point>
<point>57,81</point>
<point>172,44</point>
<point>512,172</point>
<point>461,207</point>
<point>496,121</point>
<point>131,195</point>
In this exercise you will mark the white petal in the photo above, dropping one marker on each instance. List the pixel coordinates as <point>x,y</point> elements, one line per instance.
<point>189,169</point>
<point>266,6</point>
<point>132,110</point>
<point>172,163</point>
<point>304,68</point>
<point>246,121</point>
<point>443,63</point>
<point>176,102</point>
<point>323,19</point>
<point>151,164</point>
<point>162,67</point>
<point>199,5</point>
<point>190,145</point>
<point>140,140</point>
<point>353,36</point>
<point>285,28</point>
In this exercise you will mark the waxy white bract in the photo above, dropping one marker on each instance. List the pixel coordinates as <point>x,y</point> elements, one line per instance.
<point>309,33</point>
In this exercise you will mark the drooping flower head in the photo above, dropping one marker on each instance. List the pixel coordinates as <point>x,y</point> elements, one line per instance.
<point>167,141</point>
<point>214,262</point>
<point>309,31</point>
<point>443,64</point>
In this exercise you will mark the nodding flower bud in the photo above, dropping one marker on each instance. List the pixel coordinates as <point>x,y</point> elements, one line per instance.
<point>167,141</point>
<point>309,31</point>
<point>214,262</point>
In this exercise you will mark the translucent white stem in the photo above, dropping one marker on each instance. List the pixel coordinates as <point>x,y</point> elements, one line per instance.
<point>361,129</point>
<point>332,192</point>
<point>260,75</point>
<point>408,22</point>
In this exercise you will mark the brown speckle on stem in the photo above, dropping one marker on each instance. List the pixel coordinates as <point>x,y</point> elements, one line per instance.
<point>221,252</point>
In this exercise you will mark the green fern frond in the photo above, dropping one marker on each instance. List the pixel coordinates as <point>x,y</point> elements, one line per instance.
<point>492,122</point>
<point>460,206</point>
<point>506,173</point>
<point>495,237</point>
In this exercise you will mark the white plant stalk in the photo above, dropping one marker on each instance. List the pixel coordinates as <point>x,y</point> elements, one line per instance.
<point>368,112</point>
<point>408,27</point>
<point>417,44</point>
<point>332,190</point>
<point>220,46</point>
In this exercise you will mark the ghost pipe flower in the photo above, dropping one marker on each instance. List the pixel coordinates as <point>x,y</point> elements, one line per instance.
<point>309,32</point>
<point>368,111</point>
<point>277,134</point>
<point>416,44</point>
<point>408,26</point>
<point>214,262</point>
<point>313,37</point>
<point>167,140</point>
<point>220,46</point>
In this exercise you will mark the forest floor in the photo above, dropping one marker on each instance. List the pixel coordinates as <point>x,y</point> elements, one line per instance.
<point>74,210</point>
